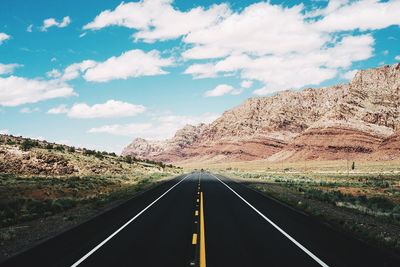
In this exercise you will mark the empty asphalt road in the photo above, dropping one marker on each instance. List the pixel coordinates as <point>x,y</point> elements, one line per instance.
<point>202,219</point>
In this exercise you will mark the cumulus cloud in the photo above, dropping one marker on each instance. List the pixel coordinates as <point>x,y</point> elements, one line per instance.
<point>157,128</point>
<point>246,32</point>
<point>8,68</point>
<point>276,71</point>
<point>73,71</point>
<point>110,109</point>
<point>157,19</point>
<point>133,63</point>
<point>52,22</point>
<point>61,109</point>
<point>16,91</point>
<point>345,15</point>
<point>220,90</point>
<point>281,47</point>
<point>54,73</point>
<point>4,37</point>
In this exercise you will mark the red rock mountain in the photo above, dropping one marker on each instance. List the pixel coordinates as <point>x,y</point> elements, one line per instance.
<point>359,119</point>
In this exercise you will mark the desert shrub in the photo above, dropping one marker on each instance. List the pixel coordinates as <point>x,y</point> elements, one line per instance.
<point>60,148</point>
<point>27,144</point>
<point>99,155</point>
<point>49,146</point>
<point>25,209</point>
<point>71,149</point>
<point>128,159</point>
<point>10,142</point>
<point>89,152</point>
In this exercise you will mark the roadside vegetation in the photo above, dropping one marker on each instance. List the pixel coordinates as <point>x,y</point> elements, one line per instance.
<point>367,205</point>
<point>59,186</point>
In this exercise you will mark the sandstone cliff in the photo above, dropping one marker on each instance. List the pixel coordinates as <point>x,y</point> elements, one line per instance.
<point>356,119</point>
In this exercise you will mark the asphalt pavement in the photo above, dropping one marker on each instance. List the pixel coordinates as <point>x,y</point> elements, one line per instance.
<point>203,219</point>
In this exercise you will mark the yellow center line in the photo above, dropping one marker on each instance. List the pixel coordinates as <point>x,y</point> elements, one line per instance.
<point>202,234</point>
<point>194,239</point>
<point>196,213</point>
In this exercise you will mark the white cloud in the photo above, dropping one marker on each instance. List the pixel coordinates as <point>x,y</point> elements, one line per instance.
<point>315,46</point>
<point>29,110</point>
<point>397,58</point>
<point>16,91</point>
<point>82,35</point>
<point>219,90</point>
<point>157,128</point>
<point>362,15</point>
<point>246,32</point>
<point>29,28</point>
<point>4,131</point>
<point>276,71</point>
<point>54,73</point>
<point>8,68</point>
<point>246,84</point>
<point>61,109</point>
<point>158,19</point>
<point>4,37</point>
<point>349,75</point>
<point>133,63</point>
<point>74,70</point>
<point>51,22</point>
<point>53,59</point>
<point>110,109</point>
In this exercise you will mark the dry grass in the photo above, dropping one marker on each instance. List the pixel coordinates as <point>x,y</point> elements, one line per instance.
<point>334,166</point>
<point>365,203</point>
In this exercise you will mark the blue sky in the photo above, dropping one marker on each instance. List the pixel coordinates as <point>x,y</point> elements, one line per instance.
<point>100,73</point>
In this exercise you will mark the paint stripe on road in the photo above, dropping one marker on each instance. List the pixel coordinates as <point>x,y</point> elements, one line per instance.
<point>319,261</point>
<point>125,225</point>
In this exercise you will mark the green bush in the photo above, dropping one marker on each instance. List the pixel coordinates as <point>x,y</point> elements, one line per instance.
<point>27,144</point>
<point>60,148</point>
<point>10,142</point>
<point>49,146</point>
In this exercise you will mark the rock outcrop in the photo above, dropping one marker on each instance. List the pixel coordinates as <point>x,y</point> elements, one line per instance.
<point>356,119</point>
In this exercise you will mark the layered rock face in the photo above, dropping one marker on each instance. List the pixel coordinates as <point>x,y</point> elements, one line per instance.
<point>335,122</point>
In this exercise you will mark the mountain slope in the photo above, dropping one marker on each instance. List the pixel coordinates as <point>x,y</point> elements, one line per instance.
<point>334,122</point>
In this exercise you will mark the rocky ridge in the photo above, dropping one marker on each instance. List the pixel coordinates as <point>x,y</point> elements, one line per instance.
<point>357,119</point>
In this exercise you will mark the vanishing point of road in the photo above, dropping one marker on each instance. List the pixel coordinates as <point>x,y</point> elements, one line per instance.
<point>203,219</point>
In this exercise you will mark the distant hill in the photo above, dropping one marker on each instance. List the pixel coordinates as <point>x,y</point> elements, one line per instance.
<point>24,156</point>
<point>359,120</point>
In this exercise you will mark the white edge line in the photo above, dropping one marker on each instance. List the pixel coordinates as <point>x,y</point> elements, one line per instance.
<point>123,226</point>
<point>276,226</point>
